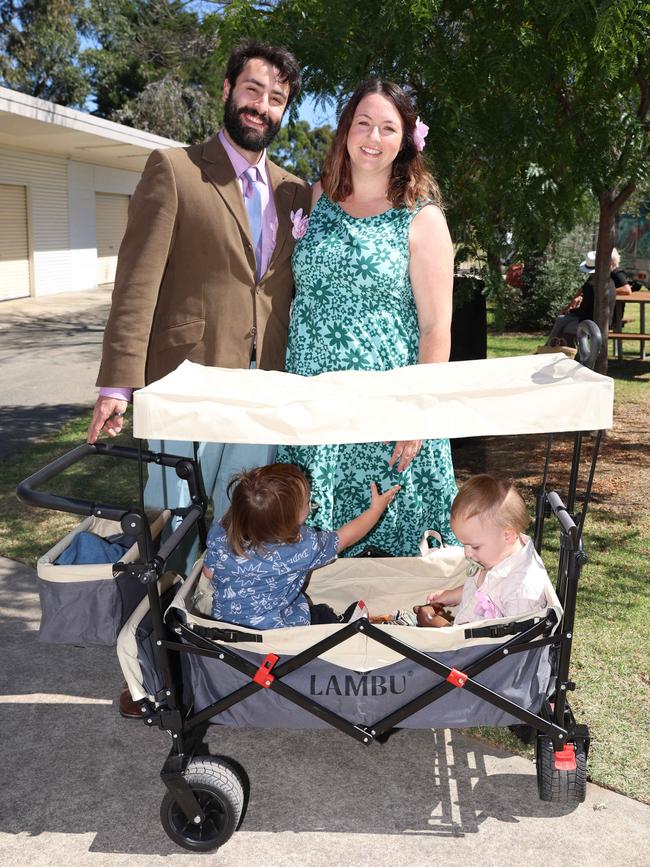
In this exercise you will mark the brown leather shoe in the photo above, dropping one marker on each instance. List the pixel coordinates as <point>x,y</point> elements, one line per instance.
<point>127,707</point>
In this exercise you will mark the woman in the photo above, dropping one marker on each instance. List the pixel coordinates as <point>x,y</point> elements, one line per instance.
<point>373,278</point>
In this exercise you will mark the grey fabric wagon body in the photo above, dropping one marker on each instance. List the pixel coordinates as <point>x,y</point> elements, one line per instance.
<point>87,604</point>
<point>360,680</point>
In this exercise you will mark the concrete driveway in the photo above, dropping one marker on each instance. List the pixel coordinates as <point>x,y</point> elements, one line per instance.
<point>50,348</point>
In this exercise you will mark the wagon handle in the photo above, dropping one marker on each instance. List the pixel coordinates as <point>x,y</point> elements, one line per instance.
<point>562,514</point>
<point>27,491</point>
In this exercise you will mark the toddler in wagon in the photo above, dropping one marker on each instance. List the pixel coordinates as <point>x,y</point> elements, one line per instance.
<point>259,556</point>
<point>506,576</point>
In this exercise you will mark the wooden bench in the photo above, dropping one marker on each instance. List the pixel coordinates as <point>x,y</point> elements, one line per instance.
<point>619,336</point>
<point>627,335</point>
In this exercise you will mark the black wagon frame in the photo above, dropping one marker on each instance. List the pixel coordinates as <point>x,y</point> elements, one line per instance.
<point>562,745</point>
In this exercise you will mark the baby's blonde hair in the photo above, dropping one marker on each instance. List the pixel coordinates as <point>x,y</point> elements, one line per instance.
<point>487,497</point>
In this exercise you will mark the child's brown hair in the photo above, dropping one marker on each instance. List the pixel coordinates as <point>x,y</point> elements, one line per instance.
<point>265,506</point>
<point>500,501</point>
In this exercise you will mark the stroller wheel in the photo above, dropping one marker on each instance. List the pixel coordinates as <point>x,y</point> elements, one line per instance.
<point>557,784</point>
<point>220,794</point>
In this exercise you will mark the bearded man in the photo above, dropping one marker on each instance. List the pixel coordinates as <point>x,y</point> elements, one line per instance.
<point>204,269</point>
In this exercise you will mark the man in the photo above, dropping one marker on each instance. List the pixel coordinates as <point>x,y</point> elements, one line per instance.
<point>581,307</point>
<point>204,269</point>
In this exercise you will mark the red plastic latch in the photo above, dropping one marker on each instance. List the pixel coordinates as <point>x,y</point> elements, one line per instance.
<point>565,759</point>
<point>458,678</point>
<point>263,674</point>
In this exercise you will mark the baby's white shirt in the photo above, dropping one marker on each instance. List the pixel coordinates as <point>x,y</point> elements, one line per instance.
<point>515,585</point>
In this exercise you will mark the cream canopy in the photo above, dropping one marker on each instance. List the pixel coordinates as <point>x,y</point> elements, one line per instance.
<point>520,395</point>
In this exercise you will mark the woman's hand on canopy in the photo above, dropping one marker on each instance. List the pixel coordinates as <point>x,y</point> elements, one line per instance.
<point>404,452</point>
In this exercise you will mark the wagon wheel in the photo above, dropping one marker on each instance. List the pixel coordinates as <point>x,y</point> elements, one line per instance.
<point>558,785</point>
<point>220,794</point>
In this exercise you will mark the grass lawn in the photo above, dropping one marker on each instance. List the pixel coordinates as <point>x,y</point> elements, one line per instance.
<point>611,647</point>
<point>611,650</point>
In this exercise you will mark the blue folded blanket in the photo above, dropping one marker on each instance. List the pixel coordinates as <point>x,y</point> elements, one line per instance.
<point>91,548</point>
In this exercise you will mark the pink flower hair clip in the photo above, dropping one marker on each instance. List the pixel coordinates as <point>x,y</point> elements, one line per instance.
<point>420,134</point>
<point>299,224</point>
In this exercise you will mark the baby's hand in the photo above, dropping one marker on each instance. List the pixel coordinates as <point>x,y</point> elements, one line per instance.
<point>442,597</point>
<point>378,501</point>
<point>207,573</point>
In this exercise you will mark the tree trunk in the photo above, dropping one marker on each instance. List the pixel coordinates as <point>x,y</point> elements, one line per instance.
<point>604,246</point>
<point>495,285</point>
<point>610,203</point>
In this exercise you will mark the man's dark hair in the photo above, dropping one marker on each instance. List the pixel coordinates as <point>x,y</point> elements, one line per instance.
<point>281,58</point>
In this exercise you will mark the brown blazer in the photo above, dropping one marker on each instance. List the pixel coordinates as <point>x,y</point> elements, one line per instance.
<point>185,285</point>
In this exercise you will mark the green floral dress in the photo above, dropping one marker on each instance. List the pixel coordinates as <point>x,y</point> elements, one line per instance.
<point>354,310</point>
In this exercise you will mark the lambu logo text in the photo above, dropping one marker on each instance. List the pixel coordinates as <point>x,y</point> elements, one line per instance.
<point>373,684</point>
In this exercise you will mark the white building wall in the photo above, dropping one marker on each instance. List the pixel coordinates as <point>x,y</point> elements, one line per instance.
<point>81,210</point>
<point>61,215</point>
<point>47,212</point>
<point>83,182</point>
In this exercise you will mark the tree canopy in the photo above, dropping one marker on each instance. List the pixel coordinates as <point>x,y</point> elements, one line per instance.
<point>153,66</point>
<point>302,150</point>
<point>533,105</point>
<point>39,49</point>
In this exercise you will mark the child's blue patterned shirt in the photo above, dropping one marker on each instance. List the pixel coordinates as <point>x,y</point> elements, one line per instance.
<point>263,590</point>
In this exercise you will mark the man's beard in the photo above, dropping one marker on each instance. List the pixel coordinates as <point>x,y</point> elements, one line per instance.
<point>247,138</point>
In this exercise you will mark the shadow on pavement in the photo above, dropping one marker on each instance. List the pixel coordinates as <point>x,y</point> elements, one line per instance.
<point>21,424</point>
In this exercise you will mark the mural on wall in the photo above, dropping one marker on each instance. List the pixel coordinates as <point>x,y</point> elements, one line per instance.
<point>633,232</point>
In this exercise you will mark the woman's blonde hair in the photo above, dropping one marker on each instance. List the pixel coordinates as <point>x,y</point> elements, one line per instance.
<point>410,181</point>
<point>266,505</point>
<point>487,497</point>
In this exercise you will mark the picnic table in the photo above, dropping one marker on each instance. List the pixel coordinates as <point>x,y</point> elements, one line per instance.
<point>617,335</point>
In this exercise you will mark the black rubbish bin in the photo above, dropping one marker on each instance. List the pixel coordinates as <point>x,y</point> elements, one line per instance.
<point>469,320</point>
<point>469,342</point>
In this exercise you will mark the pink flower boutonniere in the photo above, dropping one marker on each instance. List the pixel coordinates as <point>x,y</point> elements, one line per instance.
<point>420,134</point>
<point>298,224</point>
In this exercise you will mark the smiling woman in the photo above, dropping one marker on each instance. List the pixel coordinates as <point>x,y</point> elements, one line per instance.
<point>373,277</point>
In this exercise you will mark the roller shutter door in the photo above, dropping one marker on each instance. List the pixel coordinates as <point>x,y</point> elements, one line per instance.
<point>14,243</point>
<point>111,216</point>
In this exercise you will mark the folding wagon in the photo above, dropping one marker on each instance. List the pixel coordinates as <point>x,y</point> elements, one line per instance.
<point>187,670</point>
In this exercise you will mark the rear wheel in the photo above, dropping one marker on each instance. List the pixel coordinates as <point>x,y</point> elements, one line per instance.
<point>556,784</point>
<point>220,794</point>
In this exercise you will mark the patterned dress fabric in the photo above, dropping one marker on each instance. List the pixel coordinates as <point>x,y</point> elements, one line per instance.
<point>263,589</point>
<point>354,310</point>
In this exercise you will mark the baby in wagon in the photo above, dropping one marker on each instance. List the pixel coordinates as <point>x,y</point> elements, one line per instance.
<point>506,577</point>
<point>260,554</point>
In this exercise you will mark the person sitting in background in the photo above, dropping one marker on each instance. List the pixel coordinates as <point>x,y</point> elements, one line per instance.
<point>581,307</point>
